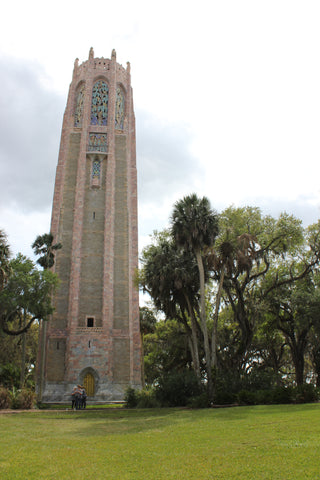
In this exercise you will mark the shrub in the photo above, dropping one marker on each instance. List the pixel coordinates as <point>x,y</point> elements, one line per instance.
<point>264,397</point>
<point>5,400</point>
<point>22,399</point>
<point>177,388</point>
<point>306,393</point>
<point>147,399</point>
<point>130,398</point>
<point>200,401</point>
<point>245,397</point>
<point>281,395</point>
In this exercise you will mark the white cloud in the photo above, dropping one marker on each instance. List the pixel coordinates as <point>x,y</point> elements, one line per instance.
<point>226,97</point>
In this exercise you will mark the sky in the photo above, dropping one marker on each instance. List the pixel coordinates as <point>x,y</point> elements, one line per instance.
<point>226,97</point>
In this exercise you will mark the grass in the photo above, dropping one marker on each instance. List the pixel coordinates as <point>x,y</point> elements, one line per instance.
<point>260,442</point>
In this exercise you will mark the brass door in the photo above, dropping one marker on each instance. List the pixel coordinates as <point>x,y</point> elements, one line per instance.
<point>88,383</point>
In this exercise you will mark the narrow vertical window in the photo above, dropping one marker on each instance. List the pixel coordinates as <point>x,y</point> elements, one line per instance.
<point>99,105</point>
<point>79,106</point>
<point>96,169</point>
<point>119,116</point>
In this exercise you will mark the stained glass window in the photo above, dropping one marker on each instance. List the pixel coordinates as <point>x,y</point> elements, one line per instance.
<point>97,142</point>
<point>119,117</point>
<point>96,169</point>
<point>99,105</point>
<point>79,106</point>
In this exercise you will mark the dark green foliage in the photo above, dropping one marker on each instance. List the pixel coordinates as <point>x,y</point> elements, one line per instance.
<point>43,246</point>
<point>140,398</point>
<point>130,398</point>
<point>200,401</point>
<point>245,397</point>
<point>26,296</point>
<point>306,393</point>
<point>9,375</point>
<point>177,388</point>
<point>165,350</point>
<point>5,399</point>
<point>194,223</point>
<point>281,395</point>
<point>147,399</point>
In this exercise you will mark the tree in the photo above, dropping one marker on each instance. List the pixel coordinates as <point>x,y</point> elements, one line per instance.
<point>147,325</point>
<point>43,246</point>
<point>11,361</point>
<point>166,350</point>
<point>194,227</point>
<point>170,276</point>
<point>261,245</point>
<point>4,259</point>
<point>27,291</point>
<point>295,309</point>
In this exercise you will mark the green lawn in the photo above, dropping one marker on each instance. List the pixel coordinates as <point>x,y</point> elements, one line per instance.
<point>261,442</point>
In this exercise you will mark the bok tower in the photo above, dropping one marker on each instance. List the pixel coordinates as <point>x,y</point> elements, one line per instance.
<point>93,337</point>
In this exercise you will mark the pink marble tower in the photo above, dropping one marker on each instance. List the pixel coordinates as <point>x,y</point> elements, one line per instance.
<point>93,337</point>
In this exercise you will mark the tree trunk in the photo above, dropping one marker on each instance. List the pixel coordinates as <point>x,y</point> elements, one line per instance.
<point>42,358</point>
<point>23,354</point>
<point>143,381</point>
<point>204,326</point>
<point>215,321</point>
<point>194,336</point>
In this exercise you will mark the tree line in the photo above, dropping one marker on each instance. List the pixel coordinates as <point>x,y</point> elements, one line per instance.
<point>237,299</point>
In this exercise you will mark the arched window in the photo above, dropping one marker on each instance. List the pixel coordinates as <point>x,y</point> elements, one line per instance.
<point>89,385</point>
<point>119,117</point>
<point>79,106</point>
<point>99,105</point>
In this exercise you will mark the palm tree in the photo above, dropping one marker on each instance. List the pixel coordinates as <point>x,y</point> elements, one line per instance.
<point>147,325</point>
<point>195,227</point>
<point>43,246</point>
<point>4,259</point>
<point>171,278</point>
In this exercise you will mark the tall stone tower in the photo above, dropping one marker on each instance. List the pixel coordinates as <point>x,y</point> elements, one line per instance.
<point>93,337</point>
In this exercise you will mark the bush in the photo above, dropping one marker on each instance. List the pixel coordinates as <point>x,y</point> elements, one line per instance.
<point>177,388</point>
<point>306,393</point>
<point>5,400</point>
<point>22,399</point>
<point>147,399</point>
<point>245,397</point>
<point>130,398</point>
<point>264,397</point>
<point>281,395</point>
<point>201,401</point>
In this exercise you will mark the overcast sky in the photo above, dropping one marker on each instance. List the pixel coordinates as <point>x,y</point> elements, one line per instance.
<point>226,95</point>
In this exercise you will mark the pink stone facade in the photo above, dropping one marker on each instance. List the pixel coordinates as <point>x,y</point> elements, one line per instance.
<point>95,327</point>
